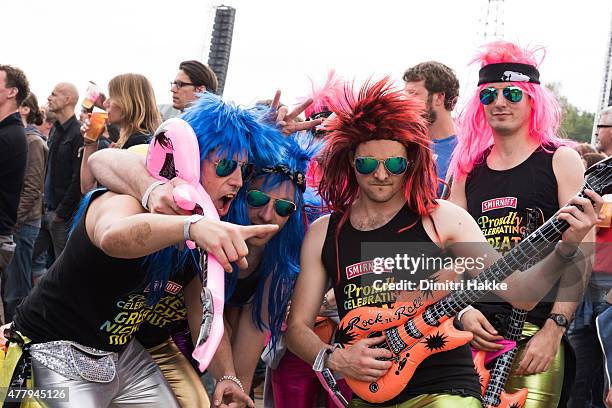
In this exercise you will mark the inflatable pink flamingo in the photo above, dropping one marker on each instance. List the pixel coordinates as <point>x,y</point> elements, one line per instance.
<point>174,152</point>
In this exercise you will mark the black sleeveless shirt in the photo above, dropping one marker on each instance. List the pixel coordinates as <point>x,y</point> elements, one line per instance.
<point>357,283</point>
<point>501,201</point>
<point>87,297</point>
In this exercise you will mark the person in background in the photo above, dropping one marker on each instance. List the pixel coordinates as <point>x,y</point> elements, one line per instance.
<point>192,78</point>
<point>62,181</point>
<point>18,281</point>
<point>132,107</point>
<point>604,132</point>
<point>437,86</point>
<point>49,120</point>
<point>14,88</point>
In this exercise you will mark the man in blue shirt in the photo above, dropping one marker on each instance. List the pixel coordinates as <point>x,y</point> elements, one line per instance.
<point>437,86</point>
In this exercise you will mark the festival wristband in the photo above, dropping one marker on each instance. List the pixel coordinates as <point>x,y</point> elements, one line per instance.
<point>233,379</point>
<point>322,356</point>
<point>464,311</point>
<point>147,193</point>
<point>192,219</point>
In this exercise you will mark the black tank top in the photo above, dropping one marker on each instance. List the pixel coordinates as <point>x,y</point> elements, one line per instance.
<point>87,297</point>
<point>352,272</point>
<point>501,202</point>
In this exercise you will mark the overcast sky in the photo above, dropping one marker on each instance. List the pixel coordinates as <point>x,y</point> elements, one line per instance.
<point>280,44</point>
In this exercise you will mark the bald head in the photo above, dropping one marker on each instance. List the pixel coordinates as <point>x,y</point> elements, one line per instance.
<point>70,91</point>
<point>63,99</point>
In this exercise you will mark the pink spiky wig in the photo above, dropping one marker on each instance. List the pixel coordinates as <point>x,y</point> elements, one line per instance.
<point>474,130</point>
<point>378,112</point>
<point>323,97</point>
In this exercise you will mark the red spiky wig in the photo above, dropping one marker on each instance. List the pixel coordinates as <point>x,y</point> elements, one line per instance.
<point>378,112</point>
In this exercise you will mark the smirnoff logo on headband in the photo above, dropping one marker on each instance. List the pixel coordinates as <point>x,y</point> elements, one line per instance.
<point>495,203</point>
<point>362,268</point>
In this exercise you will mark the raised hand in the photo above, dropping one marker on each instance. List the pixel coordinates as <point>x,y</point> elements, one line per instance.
<point>286,120</point>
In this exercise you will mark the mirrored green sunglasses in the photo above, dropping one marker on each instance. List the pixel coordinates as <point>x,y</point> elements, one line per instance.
<point>258,199</point>
<point>368,165</point>
<point>225,167</point>
<point>512,94</point>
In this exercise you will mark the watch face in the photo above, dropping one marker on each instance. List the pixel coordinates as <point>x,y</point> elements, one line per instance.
<point>560,320</point>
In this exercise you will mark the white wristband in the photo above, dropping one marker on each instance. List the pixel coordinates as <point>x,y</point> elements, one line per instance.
<point>192,219</point>
<point>461,313</point>
<point>147,193</point>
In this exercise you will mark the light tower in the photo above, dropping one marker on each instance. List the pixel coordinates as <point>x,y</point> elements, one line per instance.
<point>493,20</point>
<point>605,98</point>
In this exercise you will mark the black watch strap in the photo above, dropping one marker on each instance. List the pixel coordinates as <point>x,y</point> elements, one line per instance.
<point>559,319</point>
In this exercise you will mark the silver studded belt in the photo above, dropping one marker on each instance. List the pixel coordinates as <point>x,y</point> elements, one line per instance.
<point>75,361</point>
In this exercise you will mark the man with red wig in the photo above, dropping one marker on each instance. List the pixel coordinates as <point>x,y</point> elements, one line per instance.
<point>509,164</point>
<point>380,184</point>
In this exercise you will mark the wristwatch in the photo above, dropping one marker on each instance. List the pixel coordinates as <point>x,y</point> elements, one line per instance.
<point>559,319</point>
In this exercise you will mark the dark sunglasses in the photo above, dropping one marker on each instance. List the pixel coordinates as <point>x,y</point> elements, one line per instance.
<point>258,199</point>
<point>225,168</point>
<point>603,126</point>
<point>512,94</point>
<point>368,165</point>
<point>180,84</point>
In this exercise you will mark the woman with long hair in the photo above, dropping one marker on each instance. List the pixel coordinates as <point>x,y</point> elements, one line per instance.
<point>132,107</point>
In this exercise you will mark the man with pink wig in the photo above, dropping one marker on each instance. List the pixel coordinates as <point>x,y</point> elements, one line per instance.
<point>509,168</point>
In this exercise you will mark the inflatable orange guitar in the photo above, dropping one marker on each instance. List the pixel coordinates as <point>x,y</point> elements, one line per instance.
<point>494,381</point>
<point>414,331</point>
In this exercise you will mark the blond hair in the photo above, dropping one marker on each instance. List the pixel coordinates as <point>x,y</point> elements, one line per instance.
<point>133,94</point>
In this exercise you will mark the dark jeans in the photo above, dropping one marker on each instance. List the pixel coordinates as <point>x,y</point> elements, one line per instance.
<point>18,277</point>
<point>589,385</point>
<point>53,234</point>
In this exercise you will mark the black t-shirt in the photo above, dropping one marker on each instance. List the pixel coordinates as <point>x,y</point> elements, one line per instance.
<point>500,202</point>
<point>88,297</point>
<point>170,312</point>
<point>136,139</point>
<point>13,158</point>
<point>357,284</point>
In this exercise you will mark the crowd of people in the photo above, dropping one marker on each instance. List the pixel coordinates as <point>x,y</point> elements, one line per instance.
<point>102,297</point>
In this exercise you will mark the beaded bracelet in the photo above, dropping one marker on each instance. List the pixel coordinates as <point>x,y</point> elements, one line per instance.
<point>233,379</point>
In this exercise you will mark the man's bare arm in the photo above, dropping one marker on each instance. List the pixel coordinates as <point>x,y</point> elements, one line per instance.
<point>121,171</point>
<point>307,295</point>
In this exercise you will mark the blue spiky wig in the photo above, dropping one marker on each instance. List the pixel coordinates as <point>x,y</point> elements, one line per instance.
<point>230,130</point>
<point>281,258</point>
<point>227,130</point>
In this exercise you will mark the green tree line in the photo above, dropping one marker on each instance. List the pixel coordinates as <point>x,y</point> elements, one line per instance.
<point>576,124</point>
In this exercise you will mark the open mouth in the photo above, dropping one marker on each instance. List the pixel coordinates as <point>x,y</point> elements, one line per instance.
<point>225,203</point>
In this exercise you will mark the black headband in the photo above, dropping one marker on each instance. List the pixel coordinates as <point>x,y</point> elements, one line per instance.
<point>508,72</point>
<point>296,176</point>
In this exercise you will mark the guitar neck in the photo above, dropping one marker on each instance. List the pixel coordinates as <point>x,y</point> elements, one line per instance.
<point>503,365</point>
<point>530,250</point>
<point>499,376</point>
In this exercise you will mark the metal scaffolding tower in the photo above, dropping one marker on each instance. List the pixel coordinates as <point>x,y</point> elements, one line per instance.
<point>493,20</point>
<point>605,99</point>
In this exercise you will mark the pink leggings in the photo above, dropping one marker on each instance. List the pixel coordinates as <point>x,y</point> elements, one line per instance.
<point>295,385</point>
